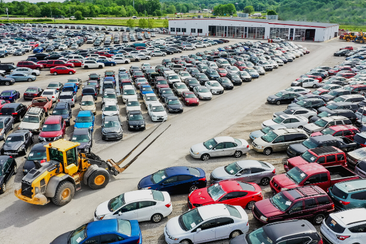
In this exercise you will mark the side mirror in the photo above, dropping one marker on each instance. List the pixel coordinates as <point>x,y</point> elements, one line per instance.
<point>198,230</point>
<point>119,213</point>
<point>237,174</point>
<point>74,120</point>
<point>307,182</point>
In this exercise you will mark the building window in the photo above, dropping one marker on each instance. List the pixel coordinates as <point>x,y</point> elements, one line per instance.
<point>193,30</point>
<point>184,30</point>
<point>172,29</point>
<point>178,29</point>
<point>199,30</point>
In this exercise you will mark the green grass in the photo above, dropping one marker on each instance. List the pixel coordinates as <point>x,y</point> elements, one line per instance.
<point>353,27</point>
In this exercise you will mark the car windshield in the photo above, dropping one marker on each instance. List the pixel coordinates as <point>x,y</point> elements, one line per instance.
<point>308,157</point>
<point>278,120</point>
<point>151,98</point>
<point>135,117</point>
<point>215,191</point>
<point>158,176</point>
<point>111,124</point>
<point>269,137</point>
<point>332,106</point>
<point>180,86</point>
<point>296,175</point>
<point>321,123</point>
<point>280,201</point>
<point>129,92</point>
<point>289,111</point>
<point>190,219</point>
<point>60,111</point>
<point>110,95</point>
<point>52,85</point>
<point>190,95</point>
<point>110,108</point>
<point>80,138</point>
<point>328,131</point>
<point>232,168</point>
<point>51,127</point>
<point>87,103</point>
<point>173,102</point>
<point>116,202</point>
<point>78,235</point>
<point>258,237</point>
<point>146,88</point>
<point>308,143</point>
<point>158,108</point>
<point>265,130</point>
<point>210,143</point>
<point>10,139</point>
<point>84,119</point>
<point>133,103</point>
<point>339,99</point>
<point>37,155</point>
<point>31,119</point>
<point>203,90</point>
<point>323,114</point>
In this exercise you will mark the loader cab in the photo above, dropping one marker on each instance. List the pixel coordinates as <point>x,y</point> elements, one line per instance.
<point>66,153</point>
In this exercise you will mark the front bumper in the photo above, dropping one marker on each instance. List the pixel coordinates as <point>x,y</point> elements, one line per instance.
<point>194,155</point>
<point>38,199</point>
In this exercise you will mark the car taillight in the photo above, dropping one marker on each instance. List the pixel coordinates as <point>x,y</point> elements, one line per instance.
<point>53,96</point>
<point>72,99</point>
<point>59,100</point>
<point>95,94</point>
<point>344,203</point>
<point>248,146</point>
<point>43,160</point>
<point>342,238</point>
<point>14,113</point>
<point>25,94</point>
<point>320,241</point>
<point>202,179</point>
<point>274,171</point>
<point>168,205</point>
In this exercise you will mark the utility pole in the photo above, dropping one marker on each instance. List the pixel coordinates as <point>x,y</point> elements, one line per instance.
<point>7,13</point>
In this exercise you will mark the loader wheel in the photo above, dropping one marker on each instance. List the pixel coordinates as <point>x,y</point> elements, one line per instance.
<point>99,179</point>
<point>64,193</point>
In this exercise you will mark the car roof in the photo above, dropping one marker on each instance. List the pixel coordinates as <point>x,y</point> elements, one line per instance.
<point>325,138</point>
<point>213,210</point>
<point>111,118</point>
<point>11,105</point>
<point>232,185</point>
<point>350,216</point>
<point>84,113</point>
<point>49,90</point>
<point>20,132</point>
<point>177,170</point>
<point>278,230</point>
<point>39,146</point>
<point>133,196</point>
<point>66,93</point>
<point>81,131</point>
<point>352,186</point>
<point>220,139</point>
<point>249,163</point>
<point>87,98</point>
<point>53,119</point>
<point>101,227</point>
<point>61,105</point>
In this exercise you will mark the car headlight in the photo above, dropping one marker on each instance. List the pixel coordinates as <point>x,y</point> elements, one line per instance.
<point>284,189</point>
<point>131,126</point>
<point>58,137</point>
<point>21,147</point>
<point>264,218</point>
<point>100,217</point>
<point>104,133</point>
<point>40,138</point>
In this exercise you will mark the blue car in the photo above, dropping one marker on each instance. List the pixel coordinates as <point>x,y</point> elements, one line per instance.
<point>72,87</point>
<point>85,119</point>
<point>103,231</point>
<point>10,95</point>
<point>38,50</point>
<point>146,89</point>
<point>179,179</point>
<point>107,62</point>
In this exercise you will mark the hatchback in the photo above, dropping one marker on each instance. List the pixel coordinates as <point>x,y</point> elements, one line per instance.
<point>85,119</point>
<point>10,95</point>
<point>8,168</point>
<point>350,194</point>
<point>37,153</point>
<point>16,110</point>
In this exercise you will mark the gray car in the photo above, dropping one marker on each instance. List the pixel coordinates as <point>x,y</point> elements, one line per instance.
<point>111,128</point>
<point>83,136</point>
<point>17,143</point>
<point>259,133</point>
<point>6,125</point>
<point>246,170</point>
<point>68,97</point>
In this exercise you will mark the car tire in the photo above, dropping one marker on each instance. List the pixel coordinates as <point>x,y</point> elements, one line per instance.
<point>250,205</point>
<point>235,233</point>
<point>205,157</point>
<point>99,179</point>
<point>7,83</point>
<point>301,127</point>
<point>100,67</point>
<point>15,169</point>
<point>264,181</point>
<point>186,242</point>
<point>278,102</point>
<point>126,62</point>
<point>86,67</point>
<point>267,151</point>
<point>156,218</point>
<point>70,73</point>
<point>153,55</point>
<point>29,80</point>
<point>193,188</point>
<point>54,73</point>
<point>3,188</point>
<point>318,219</point>
<point>314,86</point>
<point>238,154</point>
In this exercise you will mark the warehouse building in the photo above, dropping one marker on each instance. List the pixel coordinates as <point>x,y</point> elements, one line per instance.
<point>254,28</point>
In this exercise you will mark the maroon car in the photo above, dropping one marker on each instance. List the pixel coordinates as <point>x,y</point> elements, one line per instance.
<point>54,63</point>
<point>32,92</point>
<point>308,202</point>
<point>30,64</point>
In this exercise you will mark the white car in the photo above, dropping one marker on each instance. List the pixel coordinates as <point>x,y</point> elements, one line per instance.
<point>88,103</point>
<point>202,93</point>
<point>157,53</point>
<point>149,98</point>
<point>348,226</point>
<point>91,64</point>
<point>278,39</point>
<point>110,108</point>
<point>189,47</point>
<point>298,89</point>
<point>289,121</point>
<point>52,94</point>
<point>27,48</point>
<point>232,69</point>
<point>128,92</point>
<point>27,71</point>
<point>142,205</point>
<point>121,60</point>
<point>214,87</point>
<point>179,88</point>
<point>145,66</point>
<point>109,95</point>
<point>132,104</point>
<point>157,112</point>
<point>207,223</point>
<point>62,47</point>
<point>173,78</point>
<point>201,45</point>
<point>143,56</point>
<point>306,82</point>
<point>300,111</point>
<point>184,75</point>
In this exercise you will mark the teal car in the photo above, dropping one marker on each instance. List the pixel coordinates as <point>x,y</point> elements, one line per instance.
<point>85,119</point>
<point>22,77</point>
<point>349,194</point>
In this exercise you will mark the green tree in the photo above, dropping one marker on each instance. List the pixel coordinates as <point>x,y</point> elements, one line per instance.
<point>143,23</point>
<point>131,23</point>
<point>271,12</point>
<point>249,9</point>
<point>78,15</point>
<point>123,11</point>
<point>166,23</point>
<point>158,13</point>
<point>34,11</point>
<point>171,9</point>
<point>150,23</point>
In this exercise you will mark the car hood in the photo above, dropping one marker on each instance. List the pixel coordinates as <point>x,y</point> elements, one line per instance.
<point>174,106</point>
<point>198,148</point>
<point>220,173</point>
<point>13,145</point>
<point>272,97</point>
<point>83,125</point>
<point>92,108</point>
<point>102,209</point>
<point>31,126</point>
<point>269,123</point>
<point>256,134</point>
<point>50,133</point>
<point>299,148</point>
<point>327,97</point>
<point>145,182</point>
<point>173,228</point>
<point>110,113</point>
<point>111,130</point>
<point>267,209</point>
<point>62,239</point>
<point>84,145</point>
<point>200,196</point>
<point>284,182</point>
<point>313,127</point>
<point>136,122</point>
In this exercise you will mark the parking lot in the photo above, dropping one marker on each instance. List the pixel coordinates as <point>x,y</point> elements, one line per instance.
<point>235,113</point>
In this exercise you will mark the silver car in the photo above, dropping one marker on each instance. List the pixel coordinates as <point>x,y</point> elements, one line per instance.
<point>68,97</point>
<point>218,147</point>
<point>247,170</point>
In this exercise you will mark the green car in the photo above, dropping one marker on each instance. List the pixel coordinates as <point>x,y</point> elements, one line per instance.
<point>349,194</point>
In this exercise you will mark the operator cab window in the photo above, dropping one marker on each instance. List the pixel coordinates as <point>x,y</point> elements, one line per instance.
<point>71,156</point>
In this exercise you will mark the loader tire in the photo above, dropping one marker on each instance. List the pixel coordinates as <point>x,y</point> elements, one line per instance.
<point>64,193</point>
<point>99,179</point>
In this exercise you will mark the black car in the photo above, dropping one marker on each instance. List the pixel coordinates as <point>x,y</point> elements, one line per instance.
<point>297,231</point>
<point>225,83</point>
<point>335,93</point>
<point>6,125</point>
<point>310,103</point>
<point>32,92</point>
<point>235,79</point>
<point>7,67</point>
<point>282,97</point>
<point>17,143</point>
<point>37,153</point>
<point>8,168</point>
<point>64,110</point>
<point>342,52</point>
<point>173,105</point>
<point>135,120</point>
<point>6,81</point>
<point>41,56</point>
<point>16,110</point>
<point>336,112</point>
<point>111,128</point>
<point>90,90</point>
<point>164,93</point>
<point>53,57</point>
<point>202,78</point>
<point>341,105</point>
<point>191,83</point>
<point>83,136</point>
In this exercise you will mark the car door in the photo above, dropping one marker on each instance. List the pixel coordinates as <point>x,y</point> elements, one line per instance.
<point>230,148</point>
<point>145,210</point>
<point>279,144</point>
<point>296,210</point>
<point>244,174</point>
<point>218,150</point>
<point>205,232</point>
<point>129,211</point>
<point>223,228</point>
<point>169,184</point>
<point>7,125</point>
<point>257,174</point>
<point>358,233</point>
<point>320,180</point>
<point>234,198</point>
<point>184,183</point>
<point>287,123</point>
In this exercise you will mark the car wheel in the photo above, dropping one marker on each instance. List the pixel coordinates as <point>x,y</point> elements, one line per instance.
<point>185,242</point>
<point>3,188</point>
<point>70,73</point>
<point>193,188</point>
<point>39,69</point>
<point>86,67</point>
<point>100,67</point>
<point>238,154</point>
<point>235,233</point>
<point>205,157</point>
<point>267,151</point>
<point>250,205</point>
<point>264,181</point>
<point>156,218</point>
<point>54,73</point>
<point>15,169</point>
<point>278,102</point>
<point>314,86</point>
<point>7,83</point>
<point>126,62</point>
<point>301,127</point>
<point>318,219</point>
<point>153,55</point>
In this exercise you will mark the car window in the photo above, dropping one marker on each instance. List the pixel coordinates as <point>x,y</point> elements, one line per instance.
<point>108,238</point>
<point>184,177</point>
<point>171,180</point>
<point>279,139</point>
<point>331,158</point>
<point>323,200</point>
<point>359,195</point>
<point>92,240</point>
<point>129,207</point>
<point>208,225</point>
<point>321,160</point>
<point>296,207</point>
<point>358,228</point>
<point>310,203</point>
<point>230,145</point>
<point>256,170</point>
<point>224,221</point>
<point>146,204</point>
<point>220,145</point>
<point>299,240</point>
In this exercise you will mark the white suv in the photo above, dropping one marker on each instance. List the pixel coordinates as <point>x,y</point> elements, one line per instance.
<point>92,64</point>
<point>347,226</point>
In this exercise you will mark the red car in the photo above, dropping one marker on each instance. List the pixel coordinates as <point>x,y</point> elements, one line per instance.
<point>29,64</point>
<point>161,84</point>
<point>190,99</point>
<point>240,65</point>
<point>56,63</point>
<point>3,102</point>
<point>222,72</point>
<point>75,62</point>
<point>320,91</point>
<point>53,129</point>
<point>59,70</point>
<point>239,193</point>
<point>348,131</point>
<point>42,62</point>
<point>33,44</point>
<point>105,54</point>
<point>348,48</point>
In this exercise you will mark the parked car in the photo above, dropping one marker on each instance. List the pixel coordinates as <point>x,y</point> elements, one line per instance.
<point>8,168</point>
<point>157,112</point>
<point>84,136</point>
<point>10,95</point>
<point>64,110</point>
<point>33,120</point>
<point>53,129</point>
<point>348,195</point>
<point>88,103</point>
<point>289,121</point>
<point>85,119</point>
<point>16,110</point>
<point>135,120</point>
<point>112,128</point>
<point>282,97</point>
<point>36,153</point>
<point>6,125</point>
<point>17,143</point>
<point>60,70</point>
<point>32,92</point>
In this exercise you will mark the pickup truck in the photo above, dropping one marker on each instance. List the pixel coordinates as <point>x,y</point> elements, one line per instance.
<point>311,174</point>
<point>354,157</point>
<point>42,102</point>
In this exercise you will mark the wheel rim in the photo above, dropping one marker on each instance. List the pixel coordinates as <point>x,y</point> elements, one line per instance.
<point>99,180</point>
<point>238,154</point>
<point>157,218</point>
<point>250,205</point>
<point>65,193</point>
<point>278,102</point>
<point>7,83</point>
<point>4,187</point>
<point>267,151</point>
<point>319,219</point>
<point>193,188</point>
<point>235,234</point>
<point>265,181</point>
<point>55,73</point>
<point>205,157</point>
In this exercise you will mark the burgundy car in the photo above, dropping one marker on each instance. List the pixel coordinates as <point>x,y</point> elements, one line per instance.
<point>32,92</point>
<point>29,64</point>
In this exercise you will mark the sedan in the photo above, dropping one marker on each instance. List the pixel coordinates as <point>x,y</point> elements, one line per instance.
<point>282,97</point>
<point>202,93</point>
<point>8,168</point>
<point>178,179</point>
<point>173,105</point>
<point>17,143</point>
<point>179,87</point>
<point>6,125</point>
<point>289,121</point>
<point>105,231</point>
<point>135,120</point>
<point>110,109</point>
<point>37,153</point>
<point>10,95</point>
<point>225,83</point>
<point>297,89</point>
<point>214,87</point>
<point>62,70</point>
<point>231,192</point>
<point>157,53</point>
<point>218,147</point>
<point>143,205</point>
<point>51,94</point>
<point>112,128</point>
<point>22,77</point>
<point>247,170</point>
<point>207,223</point>
<point>157,112</point>
<point>84,137</point>
<point>190,99</point>
<point>32,92</point>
